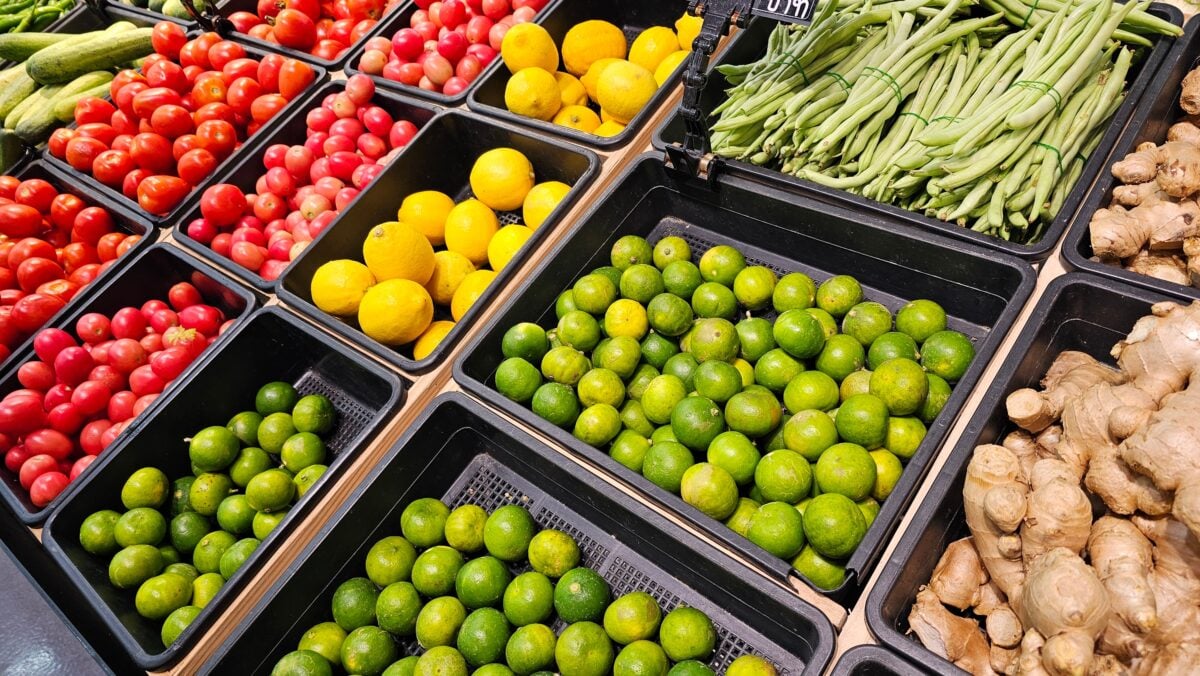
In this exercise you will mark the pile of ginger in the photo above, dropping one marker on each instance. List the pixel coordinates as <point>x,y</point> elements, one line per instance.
<point>1083,556</point>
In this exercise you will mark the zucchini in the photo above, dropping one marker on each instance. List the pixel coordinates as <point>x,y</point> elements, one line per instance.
<point>14,90</point>
<point>20,46</point>
<point>38,120</point>
<point>64,109</point>
<point>11,149</point>
<point>98,54</point>
<point>30,102</point>
<point>70,44</point>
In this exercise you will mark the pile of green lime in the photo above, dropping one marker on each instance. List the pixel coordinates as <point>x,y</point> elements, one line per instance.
<point>245,476</point>
<point>480,592</point>
<point>784,408</point>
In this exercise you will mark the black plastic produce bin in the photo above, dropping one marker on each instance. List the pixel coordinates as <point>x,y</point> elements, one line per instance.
<point>1077,312</point>
<point>400,18</point>
<point>464,454</point>
<point>438,158</point>
<point>292,130</point>
<point>749,46</point>
<point>1157,113</point>
<point>115,196</point>
<point>151,15</point>
<point>872,660</point>
<point>982,292</point>
<point>272,345</point>
<point>126,222</point>
<point>632,17</point>
<point>147,276</point>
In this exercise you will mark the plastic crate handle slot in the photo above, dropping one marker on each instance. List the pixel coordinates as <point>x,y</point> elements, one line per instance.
<point>209,19</point>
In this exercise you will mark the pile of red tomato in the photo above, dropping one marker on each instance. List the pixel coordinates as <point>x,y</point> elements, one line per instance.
<point>78,397</point>
<point>51,246</point>
<point>305,186</point>
<point>322,28</point>
<point>448,43</point>
<point>189,108</point>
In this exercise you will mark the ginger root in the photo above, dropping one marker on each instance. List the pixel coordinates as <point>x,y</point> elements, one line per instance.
<point>949,636</point>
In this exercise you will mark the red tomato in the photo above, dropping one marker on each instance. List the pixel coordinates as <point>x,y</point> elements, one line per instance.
<point>183,144</point>
<point>91,436</point>
<point>93,328</point>
<point>62,289</point>
<point>242,92</point>
<point>223,52</point>
<point>126,354</point>
<point>91,397</point>
<point>35,193</point>
<point>113,379</point>
<point>64,209</point>
<point>152,152</point>
<point>223,204</point>
<point>111,166</point>
<point>340,31</point>
<point>19,220</point>
<point>270,206</point>
<point>184,295</point>
<point>195,52</point>
<point>91,224</point>
<point>36,466</point>
<point>266,106</point>
<point>49,442</point>
<point>168,39</point>
<point>29,247</point>
<point>123,78</point>
<point>362,29</point>
<point>78,254</point>
<point>72,365</point>
<point>47,487</point>
<point>106,248</point>
<point>204,318</point>
<point>196,165</point>
<point>127,243</point>
<point>172,121</point>
<point>217,137</point>
<point>82,152</point>
<point>295,29</point>
<point>268,72</point>
<point>372,9</point>
<point>310,8</point>
<point>34,272</point>
<point>58,142</point>
<point>85,274</point>
<point>209,89</point>
<point>169,75</point>
<point>81,464</point>
<point>163,320</point>
<point>33,311</point>
<point>36,375</point>
<point>160,194</point>
<point>48,343</point>
<point>148,100</point>
<point>151,343</point>
<point>65,418</point>
<point>263,32</point>
<point>239,68</point>
<point>215,111</point>
<point>268,8</point>
<point>170,362</point>
<point>120,406</point>
<point>244,21</point>
<point>328,49</point>
<point>294,77</point>
<point>124,97</point>
<point>143,380</point>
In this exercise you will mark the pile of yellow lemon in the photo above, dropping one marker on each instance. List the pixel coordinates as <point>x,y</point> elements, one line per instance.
<point>394,290</point>
<point>597,67</point>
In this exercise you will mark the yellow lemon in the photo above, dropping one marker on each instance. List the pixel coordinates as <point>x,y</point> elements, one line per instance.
<point>652,46</point>
<point>609,128</point>
<point>687,27</point>
<point>338,286</point>
<point>426,211</point>
<point>581,118</point>
<point>431,338</point>
<point>588,42</point>
<point>449,269</point>
<point>395,312</point>
<point>469,227</point>
<point>528,45</point>
<point>606,116</point>
<point>397,251</point>
<point>542,200</point>
<point>506,244</point>
<point>533,92</point>
<point>501,178</point>
<point>469,292</point>
<point>591,80</point>
<point>624,89</point>
<point>667,68</point>
<point>571,89</point>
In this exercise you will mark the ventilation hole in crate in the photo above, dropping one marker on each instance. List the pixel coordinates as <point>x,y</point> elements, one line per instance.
<point>352,416</point>
<point>505,217</point>
<point>593,553</point>
<point>490,492</point>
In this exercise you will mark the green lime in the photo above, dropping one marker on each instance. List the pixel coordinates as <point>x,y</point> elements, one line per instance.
<point>564,303</point>
<point>423,522</point>
<point>671,249</point>
<point>556,403</point>
<point>302,449</point>
<point>867,321</point>
<point>783,476</point>
<point>633,417</point>
<point>755,413</point>
<point>687,634</point>
<point>133,565</point>
<point>682,278</point>
<point>858,382</point>
<point>935,400</point>
<point>746,369</point>
<point>212,449</point>
<point>397,608</point>
<point>754,286</point>
<point>314,413</point>
<point>811,390</point>
<point>641,657</point>
<point>526,341</point>
<point>368,651</point>
<point>507,533</point>
<point>140,526</point>
<point>405,666</point>
<point>714,339</point>
<point>799,334</point>
<point>390,560</point>
<point>710,489</point>
<point>809,433</point>
<point>306,478</point>
<point>249,462</point>
<point>837,295</point>
<point>147,487</point>
<point>774,440</point>
<point>664,434</point>
<point>665,463</point>
<point>656,349</point>
<point>597,425</point>
<point>829,326</point>
<point>641,283</point>
<point>439,621</point>
<point>235,557</point>
<point>621,355</point>
<point>601,386</point>
<point>354,603</point>
<point>324,639</point>
<point>717,380</point>
<point>162,595</point>
<point>610,272</point>
<point>244,426</point>
<point>441,661</point>
<point>275,429</point>
<point>637,383</point>
<point>841,356</point>
<point>180,495</point>
<point>739,521</point>
<point>794,291</point>
<point>177,622</point>
<point>579,330</point>
<point>517,379</point>
<point>553,552</point>
<point>755,337</point>
<point>846,469</point>
<point>891,345</point>
<point>736,454</point>
<point>263,523</point>
<point>208,551</point>
<point>583,649</point>
<point>751,665</point>
<point>862,419</point>
<point>901,384</point>
<point>169,555</point>
<point>631,250</point>
<point>822,572</point>
<point>711,299</point>
<point>528,599</point>
<point>435,570</point>
<point>632,617</point>
<point>482,581</point>
<point>270,491</point>
<point>904,436</point>
<point>629,449</point>
<point>530,649</point>
<point>565,364</point>
<point>947,354</point>
<point>775,369</point>
<point>721,264</point>
<point>921,319</point>
<point>483,636</point>
<point>669,315</point>
<point>205,588</point>
<point>887,473</point>
<point>696,421</point>
<point>594,293</point>
<point>302,663</point>
<point>207,492</point>
<point>464,528</point>
<point>96,532</point>
<point>235,515</point>
<point>691,668</point>
<point>581,595</point>
<point>834,525</point>
<point>682,366</point>
<point>275,397</point>
<point>661,397</point>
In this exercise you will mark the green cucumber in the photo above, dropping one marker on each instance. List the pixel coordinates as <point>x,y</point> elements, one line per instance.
<point>20,46</point>
<point>98,54</point>
<point>31,102</point>
<point>14,90</point>
<point>38,120</point>
<point>11,149</point>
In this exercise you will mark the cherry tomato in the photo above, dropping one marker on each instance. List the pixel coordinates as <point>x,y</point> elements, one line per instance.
<point>163,320</point>
<point>184,295</point>
<point>34,467</point>
<point>223,204</point>
<point>91,397</point>
<point>160,194</point>
<point>91,436</point>
<point>204,318</point>
<point>47,487</point>
<point>65,418</point>
<point>143,380</point>
<point>36,375</point>
<point>126,354</point>
<point>72,365</point>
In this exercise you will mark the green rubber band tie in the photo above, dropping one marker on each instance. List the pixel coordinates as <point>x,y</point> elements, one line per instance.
<point>794,61</point>
<point>1044,88</point>
<point>1032,9</point>
<point>839,79</point>
<point>891,81</point>
<point>946,117</point>
<point>1054,150</point>
<point>909,112</point>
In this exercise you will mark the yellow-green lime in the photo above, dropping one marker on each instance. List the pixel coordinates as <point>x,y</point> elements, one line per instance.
<point>682,366</point>
<point>858,382</point>
<point>354,603</point>
<point>710,489</point>
<point>483,636</point>
<point>809,433</point>
<point>736,454</point>
<point>870,509</point>
<point>302,662</point>
<point>205,588</point>
<point>553,552</point>
<point>862,419</point>
<point>270,491</point>
<point>711,299</point>
<point>794,291</point>
<point>133,565</point>
<point>435,570</point>
<point>423,522</point>
<point>665,464</point>
<point>947,354</point>
<point>565,364</point>
<point>739,521</point>
<point>847,469</point>
<point>146,487</point>
<point>811,390</point>
<point>756,338</point>
<point>525,340</point>
<point>775,369</point>
<point>169,554</point>
<point>754,412</point>
<point>302,449</point>
<point>324,639</point>
<point>263,523</point>
<point>867,321</point>
<point>656,349</point>
<point>799,334</point>
<point>314,413</point>
<point>904,436</point>
<point>714,339</point>
<point>481,582</point>
<point>581,595</point>
<point>629,448</point>
<point>641,283</point>
<point>184,570</point>
<point>783,476</point>
<point>921,319</point>
<point>177,622</point>
<point>837,295</point>
<point>211,450</point>
<point>96,532</point>
<point>641,657</point>
<point>579,330</point>
<point>891,345</point>
<point>632,617</point>
<point>248,464</point>
<point>691,668</point>
<point>663,434</point>
<point>556,403</point>
<point>696,421</point>
<point>275,397</point>
<point>687,634</point>
<point>620,354</point>
<point>507,533</point>
<point>397,608</point>
<point>439,621</point>
<point>464,528</point>
<point>583,649</point>
<point>717,380</point>
<point>626,318</point>
<point>390,560</point>
<point>829,325</point>
<point>306,478</point>
<point>601,386</point>
<point>822,572</point>
<point>274,430</point>
<point>405,666</point>
<point>564,303</point>
<point>901,384</point>
<point>162,595</point>
<point>207,492</point>
<point>368,650</point>
<point>594,293</point>
<point>841,356</point>
<point>778,528</point>
<point>441,661</point>
<point>669,315</point>
<point>721,264</point>
<point>244,426</point>
<point>528,599</point>
<point>834,525</point>
<point>670,249</point>
<point>140,526</point>
<point>530,649</point>
<point>597,425</point>
<point>207,554</point>
<point>746,369</point>
<point>750,665</point>
<point>631,250</point>
<point>935,400</point>
<point>180,498</point>
<point>517,379</point>
<point>235,514</point>
<point>236,556</point>
<point>754,286</point>
<point>682,278</point>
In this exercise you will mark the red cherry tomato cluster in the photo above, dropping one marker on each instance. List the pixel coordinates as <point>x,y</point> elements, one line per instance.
<point>51,245</point>
<point>322,28</point>
<point>448,44</point>
<point>305,186</point>
<point>170,125</point>
<point>78,397</point>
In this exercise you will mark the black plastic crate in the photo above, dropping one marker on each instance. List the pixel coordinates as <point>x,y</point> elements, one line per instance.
<point>400,18</point>
<point>438,158</point>
<point>872,660</point>
<point>126,222</point>
<point>749,45</point>
<point>149,275</point>
<point>1157,113</point>
<point>292,130</point>
<point>152,16</point>
<point>632,17</point>
<point>1066,318</point>
<point>462,453</point>
<point>982,293</point>
<point>272,345</point>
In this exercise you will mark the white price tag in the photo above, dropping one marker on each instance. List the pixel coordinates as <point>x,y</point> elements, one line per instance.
<point>791,11</point>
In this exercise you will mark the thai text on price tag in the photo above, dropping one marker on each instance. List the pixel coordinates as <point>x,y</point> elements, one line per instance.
<point>791,11</point>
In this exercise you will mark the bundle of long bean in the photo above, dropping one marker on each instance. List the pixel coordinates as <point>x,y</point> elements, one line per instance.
<point>983,120</point>
<point>19,16</point>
